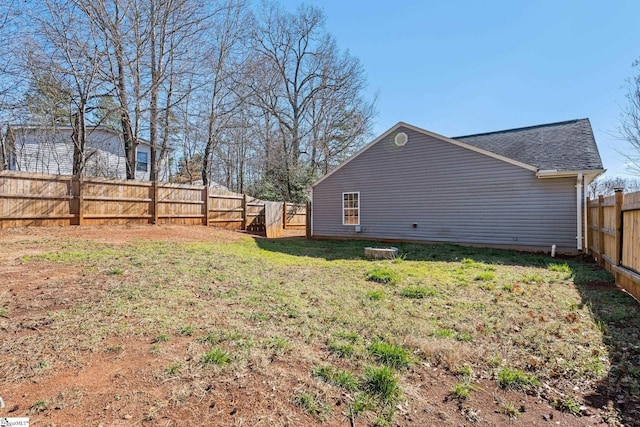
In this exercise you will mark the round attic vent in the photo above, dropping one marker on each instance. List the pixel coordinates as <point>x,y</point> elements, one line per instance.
<point>401,139</point>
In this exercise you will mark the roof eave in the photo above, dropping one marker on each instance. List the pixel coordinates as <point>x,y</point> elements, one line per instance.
<point>554,173</point>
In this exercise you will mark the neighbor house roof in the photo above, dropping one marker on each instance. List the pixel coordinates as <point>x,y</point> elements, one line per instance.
<point>561,146</point>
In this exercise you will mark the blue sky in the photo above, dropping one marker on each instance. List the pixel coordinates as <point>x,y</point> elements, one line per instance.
<point>461,67</point>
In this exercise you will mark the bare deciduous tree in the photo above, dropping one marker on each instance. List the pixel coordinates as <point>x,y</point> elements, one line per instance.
<point>222,61</point>
<point>308,86</point>
<point>118,43</point>
<point>630,127</point>
<point>10,76</point>
<point>605,186</point>
<point>65,58</point>
<point>262,102</point>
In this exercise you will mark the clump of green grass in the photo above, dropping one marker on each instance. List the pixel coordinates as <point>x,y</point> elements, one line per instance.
<point>324,372</point>
<point>509,409</point>
<point>311,405</point>
<point>468,262</point>
<point>216,337</point>
<point>465,371</point>
<point>383,275</point>
<point>382,383</point>
<point>462,390</point>
<point>568,404</point>
<point>444,333</point>
<point>390,354</point>
<point>508,287</point>
<point>343,344</point>
<point>487,286</point>
<point>560,268</point>
<point>186,331</point>
<point>464,336</point>
<point>351,337</point>
<point>361,403</point>
<point>173,369</point>
<point>337,377</point>
<point>216,356</point>
<point>259,317</point>
<point>161,338</point>
<point>516,379</point>
<point>341,349</point>
<point>280,345</point>
<point>375,295</point>
<point>418,292</point>
<point>494,361</point>
<point>3,312</point>
<point>532,278</point>
<point>485,276</point>
<point>345,379</point>
<point>115,272</point>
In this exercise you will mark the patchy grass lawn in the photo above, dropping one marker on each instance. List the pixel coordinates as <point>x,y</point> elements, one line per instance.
<point>296,331</point>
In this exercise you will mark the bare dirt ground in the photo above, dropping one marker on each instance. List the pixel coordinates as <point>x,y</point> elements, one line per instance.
<point>121,387</point>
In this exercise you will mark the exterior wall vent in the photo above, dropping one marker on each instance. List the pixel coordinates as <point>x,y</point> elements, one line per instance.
<point>401,139</point>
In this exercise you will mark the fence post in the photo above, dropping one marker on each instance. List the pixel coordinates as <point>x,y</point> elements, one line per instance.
<point>154,201</point>
<point>619,197</point>
<point>284,215</point>
<point>205,195</point>
<point>80,213</point>
<point>601,230</point>
<point>244,212</point>
<point>308,220</point>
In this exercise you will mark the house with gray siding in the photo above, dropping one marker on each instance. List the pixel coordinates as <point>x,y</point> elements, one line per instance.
<point>518,188</point>
<point>49,150</point>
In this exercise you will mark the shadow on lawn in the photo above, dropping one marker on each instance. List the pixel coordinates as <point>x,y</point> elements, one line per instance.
<point>442,252</point>
<point>618,316</point>
<point>616,313</point>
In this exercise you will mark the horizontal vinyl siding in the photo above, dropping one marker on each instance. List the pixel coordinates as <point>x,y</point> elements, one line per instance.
<point>48,158</point>
<point>453,194</point>
<point>51,151</point>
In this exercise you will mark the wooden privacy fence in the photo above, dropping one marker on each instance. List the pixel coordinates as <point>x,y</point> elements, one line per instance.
<point>50,200</point>
<point>614,237</point>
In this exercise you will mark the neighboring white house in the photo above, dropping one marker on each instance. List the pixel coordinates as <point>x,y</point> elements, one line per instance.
<point>49,150</point>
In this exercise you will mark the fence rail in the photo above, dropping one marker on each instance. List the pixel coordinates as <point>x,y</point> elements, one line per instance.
<point>614,237</point>
<point>48,200</point>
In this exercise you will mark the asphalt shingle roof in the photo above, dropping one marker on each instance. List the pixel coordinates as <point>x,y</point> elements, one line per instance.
<point>563,146</point>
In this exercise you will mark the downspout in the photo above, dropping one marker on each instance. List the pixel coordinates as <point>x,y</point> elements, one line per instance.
<point>310,206</point>
<point>585,200</point>
<point>579,210</point>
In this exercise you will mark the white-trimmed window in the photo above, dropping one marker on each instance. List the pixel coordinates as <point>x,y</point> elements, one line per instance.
<point>142,161</point>
<point>351,208</point>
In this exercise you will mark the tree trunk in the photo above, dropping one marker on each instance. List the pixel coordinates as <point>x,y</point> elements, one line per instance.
<point>130,142</point>
<point>153,103</point>
<point>206,162</point>
<point>78,137</point>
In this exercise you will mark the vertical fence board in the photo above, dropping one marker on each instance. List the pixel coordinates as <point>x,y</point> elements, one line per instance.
<point>631,240</point>
<point>616,221</point>
<point>308,230</point>
<point>273,212</point>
